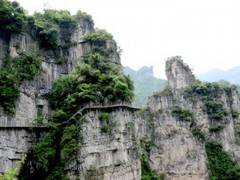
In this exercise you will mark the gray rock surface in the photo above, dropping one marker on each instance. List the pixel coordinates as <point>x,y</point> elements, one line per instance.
<point>176,152</point>
<point>178,74</point>
<point>109,155</point>
<point>32,93</point>
<point>16,137</point>
<point>115,155</point>
<point>14,144</point>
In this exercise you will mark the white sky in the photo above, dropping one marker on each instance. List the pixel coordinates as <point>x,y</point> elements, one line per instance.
<point>206,33</point>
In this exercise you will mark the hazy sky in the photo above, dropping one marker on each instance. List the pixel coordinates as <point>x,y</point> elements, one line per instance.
<point>206,33</point>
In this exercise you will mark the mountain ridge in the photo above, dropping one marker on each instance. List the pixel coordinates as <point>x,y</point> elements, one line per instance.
<point>232,75</point>
<point>145,83</point>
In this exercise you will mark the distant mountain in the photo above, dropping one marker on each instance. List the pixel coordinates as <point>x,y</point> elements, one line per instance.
<point>145,83</point>
<point>231,75</point>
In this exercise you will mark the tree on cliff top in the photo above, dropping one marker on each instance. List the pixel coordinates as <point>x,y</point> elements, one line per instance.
<point>12,16</point>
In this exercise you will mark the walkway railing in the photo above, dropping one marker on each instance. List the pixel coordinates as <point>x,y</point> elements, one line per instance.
<point>79,113</point>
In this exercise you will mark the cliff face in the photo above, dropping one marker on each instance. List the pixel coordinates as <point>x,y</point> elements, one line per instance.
<point>174,130</point>
<point>183,124</point>
<point>167,140</point>
<point>15,129</point>
<point>177,153</point>
<point>179,75</point>
<point>32,92</point>
<point>107,154</point>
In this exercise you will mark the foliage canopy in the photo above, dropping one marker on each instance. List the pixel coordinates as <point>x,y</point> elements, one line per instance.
<point>220,163</point>
<point>12,16</point>
<point>182,114</point>
<point>46,26</point>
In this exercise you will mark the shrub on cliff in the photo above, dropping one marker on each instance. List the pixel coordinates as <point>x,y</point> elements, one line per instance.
<point>12,16</point>
<point>105,122</point>
<point>98,36</point>
<point>215,109</point>
<point>9,175</point>
<point>182,114</point>
<point>85,16</point>
<point>13,73</point>
<point>94,80</point>
<point>47,26</point>
<point>220,163</point>
<point>98,41</point>
<point>146,172</point>
<point>69,141</point>
<point>210,95</point>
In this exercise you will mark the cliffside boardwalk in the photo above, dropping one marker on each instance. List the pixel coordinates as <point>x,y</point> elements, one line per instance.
<point>102,108</point>
<point>78,114</point>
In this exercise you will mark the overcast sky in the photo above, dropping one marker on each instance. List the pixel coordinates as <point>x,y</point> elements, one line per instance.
<point>206,33</point>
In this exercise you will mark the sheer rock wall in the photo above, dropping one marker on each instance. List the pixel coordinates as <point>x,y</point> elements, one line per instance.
<point>176,152</point>
<point>115,155</point>
<point>13,128</point>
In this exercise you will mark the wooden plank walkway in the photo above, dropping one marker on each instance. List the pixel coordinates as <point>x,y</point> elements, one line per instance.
<point>109,107</point>
<point>104,108</point>
<point>73,117</point>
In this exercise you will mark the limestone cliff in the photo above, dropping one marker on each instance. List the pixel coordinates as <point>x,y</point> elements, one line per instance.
<point>183,123</point>
<point>17,135</point>
<point>173,138</point>
<point>175,130</point>
<point>112,154</point>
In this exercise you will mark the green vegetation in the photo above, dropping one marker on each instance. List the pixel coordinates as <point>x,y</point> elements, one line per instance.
<point>9,175</point>
<point>98,41</point>
<point>46,27</point>
<point>13,73</point>
<point>215,109</point>
<point>220,163</point>
<point>100,36</point>
<point>70,141</point>
<point>84,16</point>
<point>12,17</point>
<point>105,122</point>
<point>45,151</point>
<point>130,125</point>
<point>49,27</point>
<point>196,132</point>
<point>54,26</point>
<point>147,172</point>
<point>216,128</point>
<point>145,84</point>
<point>235,114</point>
<point>167,91</point>
<point>182,114</point>
<point>209,93</point>
<point>96,80</point>
<point>39,120</point>
<point>206,89</point>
